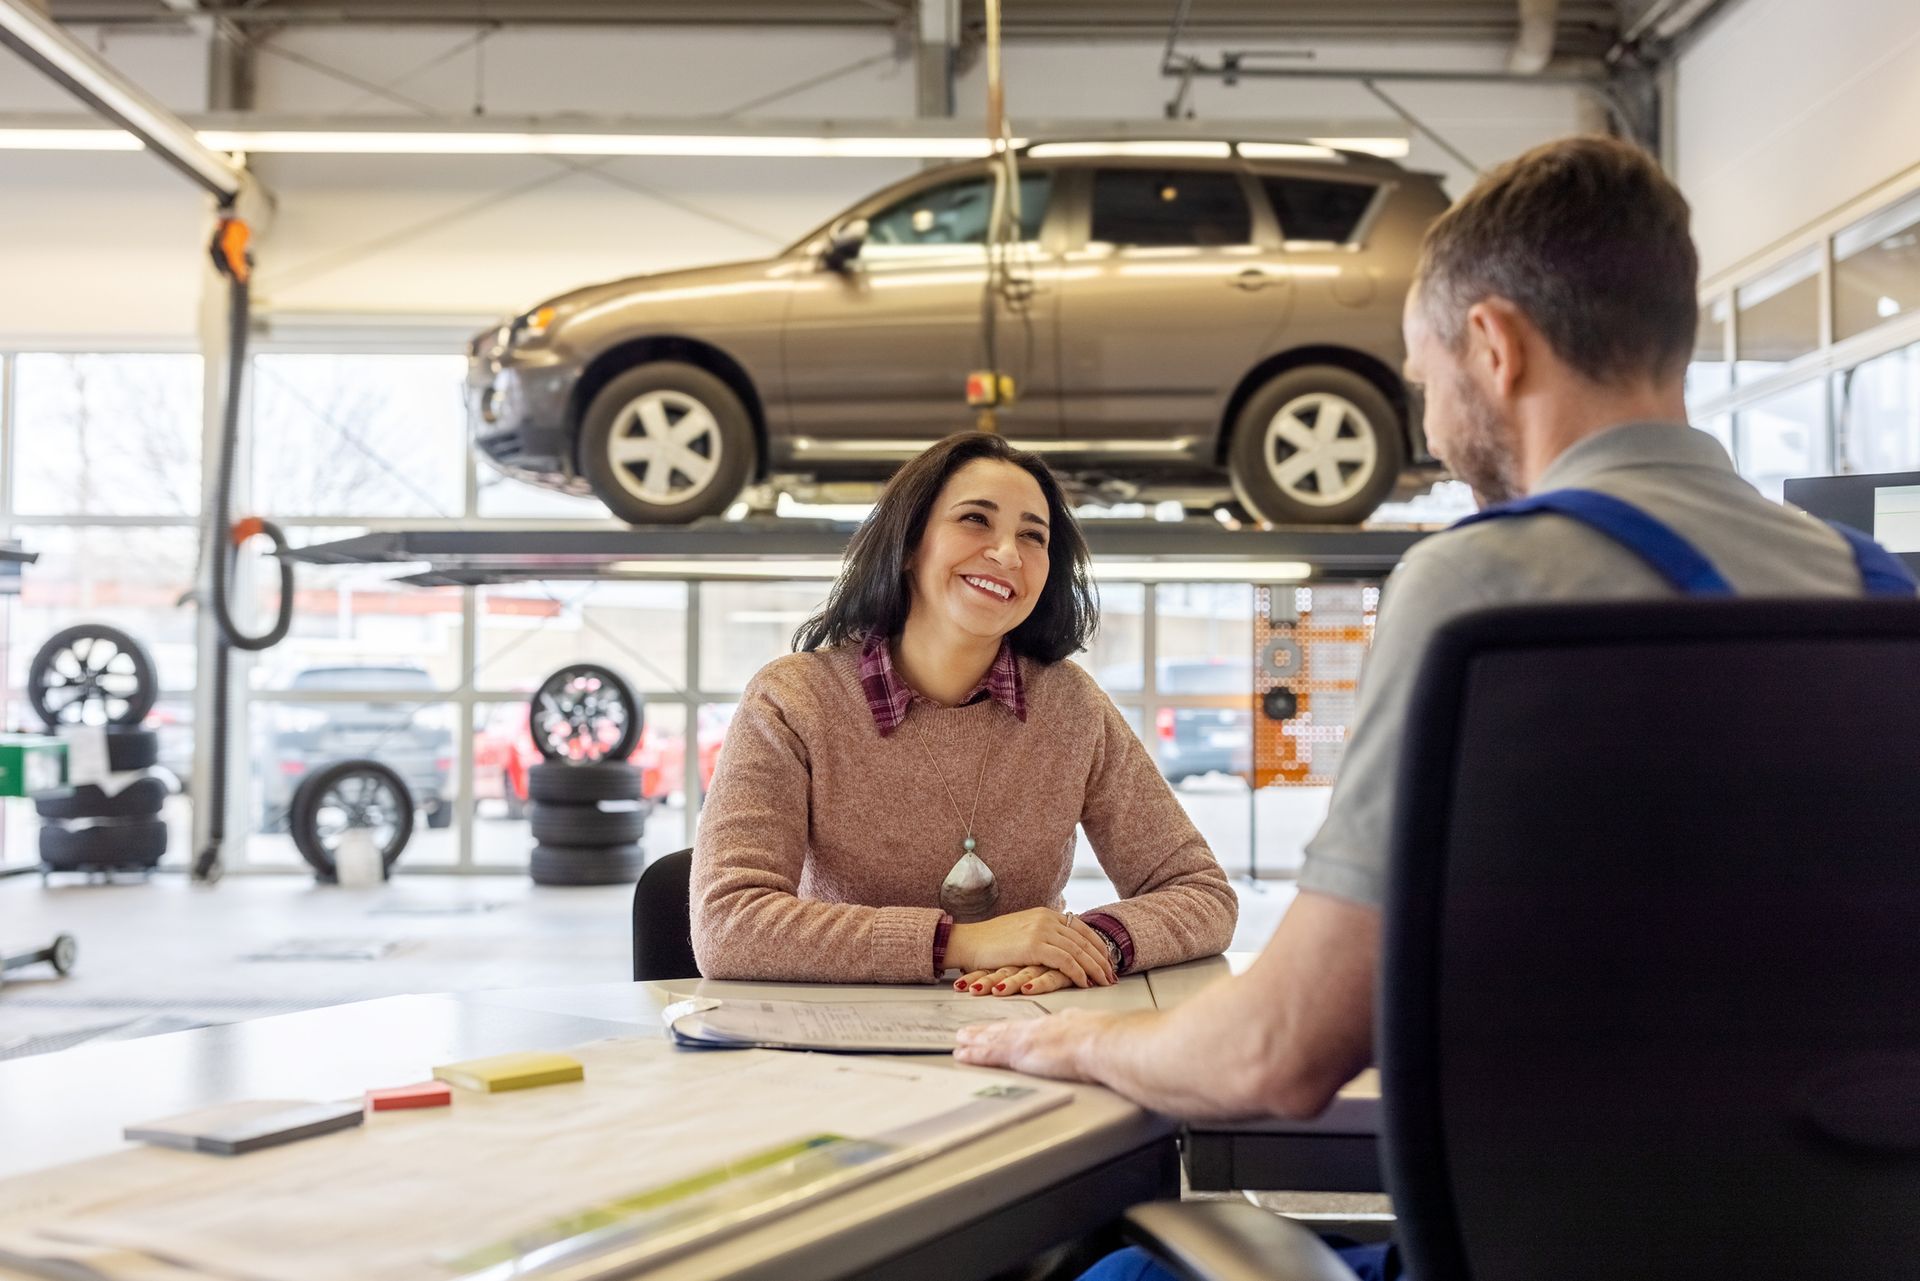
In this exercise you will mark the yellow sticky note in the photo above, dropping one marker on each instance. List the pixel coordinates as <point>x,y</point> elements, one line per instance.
<point>511,1071</point>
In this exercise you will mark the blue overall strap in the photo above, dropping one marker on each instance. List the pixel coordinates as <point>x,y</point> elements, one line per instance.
<point>1881,572</point>
<point>1669,555</point>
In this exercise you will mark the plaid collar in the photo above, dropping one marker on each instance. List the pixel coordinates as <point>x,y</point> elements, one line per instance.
<point>888,696</point>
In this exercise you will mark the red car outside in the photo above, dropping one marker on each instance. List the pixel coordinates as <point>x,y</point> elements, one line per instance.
<point>503,750</point>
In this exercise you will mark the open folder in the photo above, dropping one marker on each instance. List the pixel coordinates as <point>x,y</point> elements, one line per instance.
<point>872,1027</point>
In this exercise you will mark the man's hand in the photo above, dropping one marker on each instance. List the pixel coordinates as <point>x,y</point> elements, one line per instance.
<point>1051,1047</point>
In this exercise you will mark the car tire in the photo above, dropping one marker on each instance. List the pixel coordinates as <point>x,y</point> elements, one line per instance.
<point>585,824</point>
<point>132,749</point>
<point>126,702</point>
<point>440,815</point>
<point>654,397</point>
<point>561,698</point>
<point>309,800</point>
<point>139,843</point>
<point>1289,417</point>
<point>141,798</point>
<point>516,803</point>
<point>599,865</point>
<point>583,782</point>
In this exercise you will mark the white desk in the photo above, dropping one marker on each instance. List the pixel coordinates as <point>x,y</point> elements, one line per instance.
<point>964,1214</point>
<point>1337,1151</point>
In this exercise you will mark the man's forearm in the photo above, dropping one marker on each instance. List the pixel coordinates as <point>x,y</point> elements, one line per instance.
<point>1205,1059</point>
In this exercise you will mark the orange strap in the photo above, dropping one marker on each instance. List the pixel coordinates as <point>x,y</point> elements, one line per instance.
<point>230,248</point>
<point>247,527</point>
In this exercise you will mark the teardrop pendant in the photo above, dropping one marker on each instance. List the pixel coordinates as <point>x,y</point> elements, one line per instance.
<point>970,890</point>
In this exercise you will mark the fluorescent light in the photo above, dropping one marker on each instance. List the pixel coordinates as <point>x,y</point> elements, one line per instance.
<point>1173,571</point>
<point>68,140</point>
<point>370,142</point>
<point>1172,148</point>
<point>1287,151</point>
<point>1385,148</point>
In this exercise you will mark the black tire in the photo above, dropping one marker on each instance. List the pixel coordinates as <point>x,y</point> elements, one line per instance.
<point>605,865</point>
<point>139,842</point>
<point>348,794</point>
<point>585,825</point>
<point>141,798</point>
<point>516,803</point>
<point>585,712</point>
<point>680,393</point>
<point>1363,422</point>
<point>91,666</point>
<point>440,815</point>
<point>131,749</point>
<point>583,782</point>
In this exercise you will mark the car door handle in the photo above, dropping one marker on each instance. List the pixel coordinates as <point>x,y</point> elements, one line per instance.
<point>1251,279</point>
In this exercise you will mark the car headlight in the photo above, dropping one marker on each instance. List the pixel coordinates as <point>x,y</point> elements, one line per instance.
<point>532,327</point>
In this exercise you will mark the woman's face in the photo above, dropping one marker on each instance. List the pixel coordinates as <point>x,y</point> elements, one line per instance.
<point>982,560</point>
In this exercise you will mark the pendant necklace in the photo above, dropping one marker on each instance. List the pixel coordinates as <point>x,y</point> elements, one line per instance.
<point>970,890</point>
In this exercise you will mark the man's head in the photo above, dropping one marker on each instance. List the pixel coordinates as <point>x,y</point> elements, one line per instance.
<point>1557,292</point>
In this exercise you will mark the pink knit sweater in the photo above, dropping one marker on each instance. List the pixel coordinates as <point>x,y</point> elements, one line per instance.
<point>822,845</point>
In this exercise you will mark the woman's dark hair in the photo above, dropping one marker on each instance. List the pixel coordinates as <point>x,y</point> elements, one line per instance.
<point>872,592</point>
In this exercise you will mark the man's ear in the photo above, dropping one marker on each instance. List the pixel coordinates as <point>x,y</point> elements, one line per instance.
<point>1496,344</point>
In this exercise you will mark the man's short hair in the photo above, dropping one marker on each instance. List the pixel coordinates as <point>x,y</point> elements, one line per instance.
<point>1590,240</point>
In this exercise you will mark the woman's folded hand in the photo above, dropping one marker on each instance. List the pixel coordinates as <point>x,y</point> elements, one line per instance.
<point>1038,938</point>
<point>1013,980</point>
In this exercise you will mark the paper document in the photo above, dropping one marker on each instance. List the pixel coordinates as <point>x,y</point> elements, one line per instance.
<point>656,1152</point>
<point>884,1027</point>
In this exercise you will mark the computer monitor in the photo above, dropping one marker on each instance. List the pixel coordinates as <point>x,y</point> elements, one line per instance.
<point>1886,506</point>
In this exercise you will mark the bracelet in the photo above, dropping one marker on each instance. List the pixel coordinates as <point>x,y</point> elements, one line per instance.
<point>1113,949</point>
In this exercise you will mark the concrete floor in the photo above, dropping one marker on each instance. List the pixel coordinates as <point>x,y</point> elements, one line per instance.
<point>166,954</point>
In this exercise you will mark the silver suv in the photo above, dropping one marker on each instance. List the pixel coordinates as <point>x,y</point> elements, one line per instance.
<point>1178,318</point>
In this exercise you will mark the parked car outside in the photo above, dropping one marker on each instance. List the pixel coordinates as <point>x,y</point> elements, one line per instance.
<point>408,734</point>
<point>1194,741</point>
<point>503,751</point>
<point>1181,319</point>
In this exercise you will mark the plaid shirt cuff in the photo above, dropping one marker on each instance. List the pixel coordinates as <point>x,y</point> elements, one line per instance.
<point>941,933</point>
<point>1115,931</point>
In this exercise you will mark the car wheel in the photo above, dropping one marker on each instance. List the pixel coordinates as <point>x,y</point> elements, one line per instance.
<point>348,795</point>
<point>586,825</point>
<point>440,815</point>
<point>1316,446</point>
<point>585,712</point>
<point>92,665</point>
<point>583,782</point>
<point>595,865</point>
<point>665,444</point>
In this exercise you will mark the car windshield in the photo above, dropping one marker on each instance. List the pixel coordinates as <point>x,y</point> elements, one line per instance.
<point>363,678</point>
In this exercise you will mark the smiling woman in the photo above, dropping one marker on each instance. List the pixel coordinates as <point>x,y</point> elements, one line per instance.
<point>899,799</point>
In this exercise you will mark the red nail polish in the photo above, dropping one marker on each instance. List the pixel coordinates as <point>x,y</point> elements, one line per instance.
<point>999,987</point>
<point>1027,988</point>
<point>979,987</point>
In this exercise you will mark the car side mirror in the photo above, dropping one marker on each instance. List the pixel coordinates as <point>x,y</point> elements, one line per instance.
<point>844,243</point>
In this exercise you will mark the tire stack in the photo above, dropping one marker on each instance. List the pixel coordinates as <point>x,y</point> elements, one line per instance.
<point>587,819</point>
<point>97,675</point>
<point>585,803</point>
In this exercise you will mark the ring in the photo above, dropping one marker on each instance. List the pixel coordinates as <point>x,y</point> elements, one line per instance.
<point>1066,918</point>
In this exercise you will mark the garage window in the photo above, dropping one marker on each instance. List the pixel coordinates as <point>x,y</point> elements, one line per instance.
<point>1876,269</point>
<point>107,434</point>
<point>1779,318</point>
<point>1169,208</point>
<point>1316,209</point>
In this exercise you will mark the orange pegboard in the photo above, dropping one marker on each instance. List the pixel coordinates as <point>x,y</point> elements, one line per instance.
<point>1308,647</point>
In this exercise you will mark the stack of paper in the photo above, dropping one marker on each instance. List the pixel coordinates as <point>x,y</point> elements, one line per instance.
<point>879,1027</point>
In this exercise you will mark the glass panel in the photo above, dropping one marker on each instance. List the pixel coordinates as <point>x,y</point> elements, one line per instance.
<point>107,435</point>
<point>1720,427</point>
<point>127,577</point>
<point>1876,269</point>
<point>1169,207</point>
<point>958,213</point>
<point>745,626</point>
<point>1709,373</point>
<point>1204,638</point>
<point>502,496</point>
<point>1115,658</point>
<point>503,753</point>
<point>1877,407</point>
<point>1287,819</point>
<point>1779,316</point>
<point>414,738</point>
<point>355,628</point>
<point>528,630</point>
<point>1315,209</point>
<point>359,435</point>
<point>1784,436</point>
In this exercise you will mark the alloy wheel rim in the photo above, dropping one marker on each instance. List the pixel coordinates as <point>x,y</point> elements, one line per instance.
<point>1320,449</point>
<point>357,801</point>
<point>665,447</point>
<point>92,670</point>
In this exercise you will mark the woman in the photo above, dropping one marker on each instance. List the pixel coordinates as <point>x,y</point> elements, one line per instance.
<point>899,798</point>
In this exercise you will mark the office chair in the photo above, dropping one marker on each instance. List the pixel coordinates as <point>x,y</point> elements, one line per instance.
<point>662,920</point>
<point>1647,1002</point>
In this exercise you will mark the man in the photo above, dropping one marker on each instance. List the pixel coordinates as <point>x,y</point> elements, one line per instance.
<point>1550,326</point>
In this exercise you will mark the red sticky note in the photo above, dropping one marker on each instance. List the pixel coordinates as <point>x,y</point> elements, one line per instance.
<point>427,1094</point>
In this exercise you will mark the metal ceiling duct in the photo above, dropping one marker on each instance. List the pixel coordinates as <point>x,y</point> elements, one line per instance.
<point>1533,45</point>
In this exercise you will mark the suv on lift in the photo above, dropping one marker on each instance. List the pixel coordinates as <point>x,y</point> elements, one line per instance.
<point>1175,316</point>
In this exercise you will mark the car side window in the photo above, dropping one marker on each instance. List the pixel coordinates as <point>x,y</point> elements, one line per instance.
<point>958,213</point>
<point>1318,209</point>
<point>1169,207</point>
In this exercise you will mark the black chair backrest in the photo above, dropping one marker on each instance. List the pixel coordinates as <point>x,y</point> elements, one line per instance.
<point>662,920</point>
<point>1650,996</point>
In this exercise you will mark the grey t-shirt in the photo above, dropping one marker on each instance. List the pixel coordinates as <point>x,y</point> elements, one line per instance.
<point>1680,476</point>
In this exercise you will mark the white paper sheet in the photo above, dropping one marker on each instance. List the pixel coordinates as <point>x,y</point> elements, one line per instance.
<point>416,1194</point>
<point>875,1026</point>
